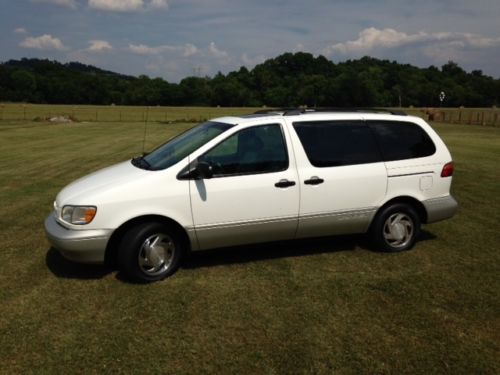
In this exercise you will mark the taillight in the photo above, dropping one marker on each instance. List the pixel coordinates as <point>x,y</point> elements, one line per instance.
<point>448,170</point>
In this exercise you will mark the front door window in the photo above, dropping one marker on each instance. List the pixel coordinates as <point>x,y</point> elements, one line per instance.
<point>259,149</point>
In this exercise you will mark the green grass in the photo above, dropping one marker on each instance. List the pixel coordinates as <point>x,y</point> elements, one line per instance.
<point>318,306</point>
<point>101,113</point>
<point>92,113</point>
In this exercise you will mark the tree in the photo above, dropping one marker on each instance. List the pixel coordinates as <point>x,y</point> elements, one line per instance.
<point>24,84</point>
<point>290,79</point>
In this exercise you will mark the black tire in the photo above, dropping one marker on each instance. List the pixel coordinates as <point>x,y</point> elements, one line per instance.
<point>395,228</point>
<point>150,252</point>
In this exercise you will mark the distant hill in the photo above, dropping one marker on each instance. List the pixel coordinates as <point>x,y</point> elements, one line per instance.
<point>42,66</point>
<point>286,80</point>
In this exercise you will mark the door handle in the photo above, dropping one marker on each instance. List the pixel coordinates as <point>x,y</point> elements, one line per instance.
<point>315,180</point>
<point>284,183</point>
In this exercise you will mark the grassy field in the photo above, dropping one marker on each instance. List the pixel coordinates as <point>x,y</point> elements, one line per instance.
<point>26,112</point>
<point>101,113</point>
<point>317,306</point>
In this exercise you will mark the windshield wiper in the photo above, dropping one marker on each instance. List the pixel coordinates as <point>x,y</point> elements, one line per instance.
<point>140,162</point>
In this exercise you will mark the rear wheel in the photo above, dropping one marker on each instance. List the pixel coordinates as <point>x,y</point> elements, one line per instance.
<point>150,252</point>
<point>395,228</point>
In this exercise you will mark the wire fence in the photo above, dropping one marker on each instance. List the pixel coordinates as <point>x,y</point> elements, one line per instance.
<point>489,116</point>
<point>34,112</point>
<point>464,116</point>
<point>78,113</point>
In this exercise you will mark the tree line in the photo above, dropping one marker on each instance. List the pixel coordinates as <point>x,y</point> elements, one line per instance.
<point>291,79</point>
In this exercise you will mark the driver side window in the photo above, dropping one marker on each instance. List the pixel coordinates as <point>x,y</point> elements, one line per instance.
<point>259,149</point>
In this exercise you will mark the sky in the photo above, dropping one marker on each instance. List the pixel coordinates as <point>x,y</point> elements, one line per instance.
<point>173,39</point>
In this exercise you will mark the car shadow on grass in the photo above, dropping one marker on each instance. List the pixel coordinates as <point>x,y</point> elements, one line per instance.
<point>273,250</point>
<point>66,269</point>
<point>63,268</point>
<point>285,249</point>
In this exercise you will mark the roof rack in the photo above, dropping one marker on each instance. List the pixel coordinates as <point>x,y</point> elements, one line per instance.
<point>300,110</point>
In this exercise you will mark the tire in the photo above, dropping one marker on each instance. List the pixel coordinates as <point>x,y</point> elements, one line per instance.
<point>395,228</point>
<point>150,252</point>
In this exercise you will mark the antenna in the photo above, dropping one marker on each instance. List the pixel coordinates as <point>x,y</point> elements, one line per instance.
<point>145,130</point>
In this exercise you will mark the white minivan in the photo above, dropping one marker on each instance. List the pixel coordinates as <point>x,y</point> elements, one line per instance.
<point>269,176</point>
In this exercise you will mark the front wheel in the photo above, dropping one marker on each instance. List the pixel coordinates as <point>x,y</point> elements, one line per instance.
<point>395,228</point>
<point>150,252</point>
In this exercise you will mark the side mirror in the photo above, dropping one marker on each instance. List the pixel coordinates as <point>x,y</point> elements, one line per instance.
<point>204,170</point>
<point>197,171</point>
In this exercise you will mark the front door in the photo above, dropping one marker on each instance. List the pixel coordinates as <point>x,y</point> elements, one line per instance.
<point>253,195</point>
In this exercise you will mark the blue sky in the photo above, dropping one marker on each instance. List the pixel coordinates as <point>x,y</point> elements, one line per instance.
<point>176,38</point>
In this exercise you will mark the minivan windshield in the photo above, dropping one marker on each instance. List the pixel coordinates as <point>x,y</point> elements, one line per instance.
<point>181,146</point>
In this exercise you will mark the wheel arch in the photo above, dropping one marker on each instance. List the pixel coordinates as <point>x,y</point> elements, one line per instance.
<point>112,247</point>
<point>413,202</point>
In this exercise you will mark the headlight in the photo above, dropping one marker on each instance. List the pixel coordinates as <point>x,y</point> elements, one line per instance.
<point>78,215</point>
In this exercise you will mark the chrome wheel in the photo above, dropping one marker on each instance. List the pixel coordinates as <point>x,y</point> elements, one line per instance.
<point>156,254</point>
<point>398,230</point>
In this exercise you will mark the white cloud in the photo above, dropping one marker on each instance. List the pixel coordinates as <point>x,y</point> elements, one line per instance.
<point>299,48</point>
<point>215,52</point>
<point>372,38</point>
<point>189,50</point>
<point>65,3</point>
<point>99,46</point>
<point>250,62</point>
<point>142,49</point>
<point>478,41</point>
<point>159,4</point>
<point>43,42</point>
<point>127,5</point>
<point>117,5</point>
<point>20,30</point>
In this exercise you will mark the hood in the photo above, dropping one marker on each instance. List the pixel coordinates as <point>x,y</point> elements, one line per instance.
<point>98,182</point>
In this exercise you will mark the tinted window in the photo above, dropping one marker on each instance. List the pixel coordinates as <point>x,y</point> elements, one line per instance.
<point>259,149</point>
<point>336,143</point>
<point>402,140</point>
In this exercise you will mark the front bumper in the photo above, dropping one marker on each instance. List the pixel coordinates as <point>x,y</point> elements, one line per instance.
<point>440,208</point>
<point>83,246</point>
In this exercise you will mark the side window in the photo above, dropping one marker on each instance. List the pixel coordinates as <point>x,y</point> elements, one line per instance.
<point>402,140</point>
<point>259,149</point>
<point>337,143</point>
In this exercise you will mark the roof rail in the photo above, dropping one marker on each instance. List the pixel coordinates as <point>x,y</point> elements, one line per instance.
<point>302,110</point>
<point>280,111</point>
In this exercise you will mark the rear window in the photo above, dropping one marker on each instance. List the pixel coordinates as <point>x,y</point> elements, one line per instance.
<point>337,143</point>
<point>402,140</point>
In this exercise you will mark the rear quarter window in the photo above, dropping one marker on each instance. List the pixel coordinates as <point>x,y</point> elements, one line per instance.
<point>400,140</point>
